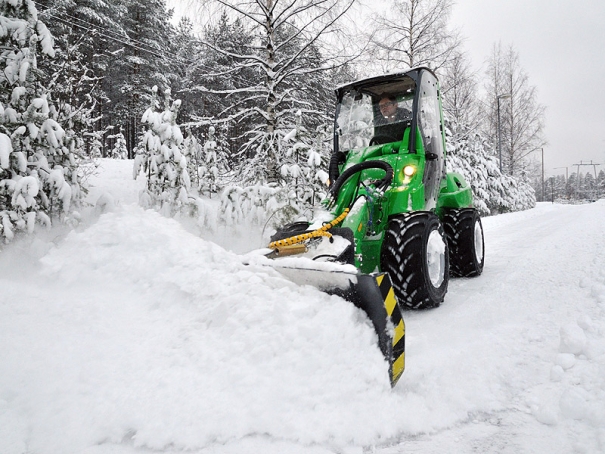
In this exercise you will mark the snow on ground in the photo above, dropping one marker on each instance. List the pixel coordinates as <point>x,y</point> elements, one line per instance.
<point>134,335</point>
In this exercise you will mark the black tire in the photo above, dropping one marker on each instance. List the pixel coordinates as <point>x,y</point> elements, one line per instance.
<point>408,240</point>
<point>464,233</point>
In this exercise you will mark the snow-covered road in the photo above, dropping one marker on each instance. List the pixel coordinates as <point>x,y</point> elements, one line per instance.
<point>133,335</point>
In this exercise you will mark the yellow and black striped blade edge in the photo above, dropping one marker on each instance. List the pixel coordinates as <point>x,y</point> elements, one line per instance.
<point>397,327</point>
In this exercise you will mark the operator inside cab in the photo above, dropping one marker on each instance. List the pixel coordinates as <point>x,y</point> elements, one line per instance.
<point>391,120</point>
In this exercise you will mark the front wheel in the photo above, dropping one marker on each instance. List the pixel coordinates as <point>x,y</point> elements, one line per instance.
<point>415,254</point>
<point>464,233</point>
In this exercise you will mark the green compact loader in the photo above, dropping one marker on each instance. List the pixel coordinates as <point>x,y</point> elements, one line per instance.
<point>395,224</point>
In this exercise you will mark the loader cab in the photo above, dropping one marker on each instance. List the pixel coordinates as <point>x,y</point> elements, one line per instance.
<point>359,118</point>
<point>359,122</point>
<point>374,114</point>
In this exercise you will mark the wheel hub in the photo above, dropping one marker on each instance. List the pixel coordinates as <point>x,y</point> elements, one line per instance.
<point>435,258</point>
<point>478,242</point>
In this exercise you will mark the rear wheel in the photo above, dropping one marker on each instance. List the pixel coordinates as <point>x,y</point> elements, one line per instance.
<point>464,233</point>
<point>415,254</point>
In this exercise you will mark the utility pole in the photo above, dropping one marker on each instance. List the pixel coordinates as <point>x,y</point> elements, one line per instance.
<point>594,166</point>
<point>543,174</point>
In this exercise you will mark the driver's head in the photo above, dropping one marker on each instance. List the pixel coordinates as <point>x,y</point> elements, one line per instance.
<point>388,106</point>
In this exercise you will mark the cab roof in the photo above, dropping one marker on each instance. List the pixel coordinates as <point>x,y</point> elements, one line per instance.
<point>388,83</point>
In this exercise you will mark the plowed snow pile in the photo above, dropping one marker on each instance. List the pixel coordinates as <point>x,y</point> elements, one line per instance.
<point>133,335</point>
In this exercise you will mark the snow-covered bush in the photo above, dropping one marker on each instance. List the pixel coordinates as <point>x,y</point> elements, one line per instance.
<point>259,205</point>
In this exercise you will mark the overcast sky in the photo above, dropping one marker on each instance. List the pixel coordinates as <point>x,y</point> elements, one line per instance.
<point>561,45</point>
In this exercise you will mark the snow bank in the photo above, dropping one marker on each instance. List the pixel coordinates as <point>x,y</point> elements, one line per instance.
<point>159,336</point>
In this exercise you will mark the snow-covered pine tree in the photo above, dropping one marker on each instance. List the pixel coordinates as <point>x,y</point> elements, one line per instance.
<point>193,150</point>
<point>493,192</point>
<point>135,67</point>
<point>556,188</point>
<point>304,166</point>
<point>572,185</point>
<point>161,157</point>
<point>212,75</point>
<point>209,165</point>
<point>187,56</point>
<point>39,177</point>
<point>119,150</point>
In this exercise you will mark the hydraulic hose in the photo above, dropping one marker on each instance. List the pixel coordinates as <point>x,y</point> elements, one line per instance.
<point>322,231</point>
<point>336,159</point>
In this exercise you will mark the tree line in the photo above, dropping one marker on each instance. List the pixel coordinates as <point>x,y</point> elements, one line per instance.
<point>588,185</point>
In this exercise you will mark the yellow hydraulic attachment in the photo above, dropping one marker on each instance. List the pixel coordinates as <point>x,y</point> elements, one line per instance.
<point>322,231</point>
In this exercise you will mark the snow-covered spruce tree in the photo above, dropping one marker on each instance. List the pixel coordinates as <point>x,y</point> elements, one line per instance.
<point>72,80</point>
<point>39,177</point>
<point>119,150</point>
<point>210,164</point>
<point>193,151</point>
<point>468,154</point>
<point>161,157</point>
<point>85,33</point>
<point>305,162</point>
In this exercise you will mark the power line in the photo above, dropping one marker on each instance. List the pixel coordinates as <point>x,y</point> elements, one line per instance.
<point>82,21</point>
<point>112,38</point>
<point>135,44</point>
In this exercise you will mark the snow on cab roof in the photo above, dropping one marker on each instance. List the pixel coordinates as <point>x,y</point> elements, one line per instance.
<point>384,78</point>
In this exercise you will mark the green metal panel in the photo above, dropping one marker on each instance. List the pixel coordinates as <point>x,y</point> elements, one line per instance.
<point>455,192</point>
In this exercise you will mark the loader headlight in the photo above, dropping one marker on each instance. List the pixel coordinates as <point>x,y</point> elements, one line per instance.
<point>409,171</point>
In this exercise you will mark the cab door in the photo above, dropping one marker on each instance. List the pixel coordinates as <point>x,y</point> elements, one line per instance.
<point>431,131</point>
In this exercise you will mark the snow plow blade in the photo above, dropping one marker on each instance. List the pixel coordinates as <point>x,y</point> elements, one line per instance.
<point>375,296</point>
<point>373,293</point>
